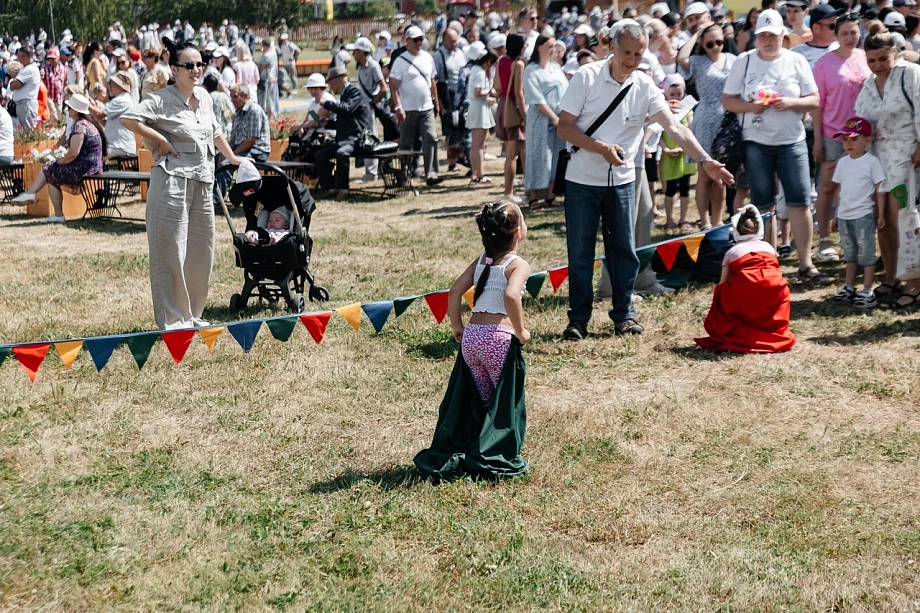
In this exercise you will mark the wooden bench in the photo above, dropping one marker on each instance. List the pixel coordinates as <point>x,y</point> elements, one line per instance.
<point>307,67</point>
<point>102,192</point>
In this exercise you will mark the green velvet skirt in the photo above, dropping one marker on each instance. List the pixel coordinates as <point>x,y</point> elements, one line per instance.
<point>475,440</point>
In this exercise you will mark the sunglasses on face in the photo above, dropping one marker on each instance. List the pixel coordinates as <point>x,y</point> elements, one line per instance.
<point>417,40</point>
<point>714,43</point>
<point>832,26</point>
<point>848,17</point>
<point>190,66</point>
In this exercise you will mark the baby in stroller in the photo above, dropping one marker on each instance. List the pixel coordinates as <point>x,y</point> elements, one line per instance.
<point>273,229</point>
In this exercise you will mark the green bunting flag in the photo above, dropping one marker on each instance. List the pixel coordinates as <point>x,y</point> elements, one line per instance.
<point>5,352</point>
<point>140,347</point>
<point>535,283</point>
<point>645,257</point>
<point>401,304</point>
<point>282,329</point>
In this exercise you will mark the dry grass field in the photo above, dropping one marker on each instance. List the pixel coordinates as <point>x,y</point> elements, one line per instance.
<point>662,478</point>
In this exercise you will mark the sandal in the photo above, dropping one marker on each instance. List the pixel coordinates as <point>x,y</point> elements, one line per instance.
<point>549,201</point>
<point>912,300</point>
<point>686,227</point>
<point>706,228</point>
<point>535,204</point>
<point>814,276</point>
<point>888,291</point>
<point>670,226</point>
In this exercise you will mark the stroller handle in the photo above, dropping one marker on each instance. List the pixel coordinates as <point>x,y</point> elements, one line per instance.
<point>262,166</point>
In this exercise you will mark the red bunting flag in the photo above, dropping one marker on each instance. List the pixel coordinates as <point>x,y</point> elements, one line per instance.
<point>668,253</point>
<point>557,276</point>
<point>437,302</point>
<point>178,342</point>
<point>31,357</point>
<point>316,323</point>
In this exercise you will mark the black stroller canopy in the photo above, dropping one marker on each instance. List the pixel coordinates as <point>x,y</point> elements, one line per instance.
<point>273,194</point>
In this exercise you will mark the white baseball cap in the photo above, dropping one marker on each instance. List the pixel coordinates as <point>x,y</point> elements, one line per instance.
<point>414,32</point>
<point>659,7</point>
<point>363,44</point>
<point>497,39</point>
<point>384,34</point>
<point>895,19</point>
<point>584,29</point>
<point>769,21</point>
<point>697,8</point>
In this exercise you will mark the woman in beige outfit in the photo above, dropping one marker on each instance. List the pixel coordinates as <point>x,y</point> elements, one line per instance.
<point>179,126</point>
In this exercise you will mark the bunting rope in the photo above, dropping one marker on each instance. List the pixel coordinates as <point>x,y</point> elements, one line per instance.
<point>31,355</point>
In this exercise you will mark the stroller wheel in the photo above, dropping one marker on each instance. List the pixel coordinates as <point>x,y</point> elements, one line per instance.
<point>236,304</point>
<point>318,293</point>
<point>298,304</point>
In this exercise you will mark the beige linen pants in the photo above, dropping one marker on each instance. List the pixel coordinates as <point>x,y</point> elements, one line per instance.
<point>180,234</point>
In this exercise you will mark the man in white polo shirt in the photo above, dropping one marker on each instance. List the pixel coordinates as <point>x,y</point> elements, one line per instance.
<point>24,85</point>
<point>415,100</point>
<point>600,177</point>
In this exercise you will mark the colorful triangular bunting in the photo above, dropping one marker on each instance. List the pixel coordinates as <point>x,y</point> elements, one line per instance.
<point>352,314</point>
<point>437,302</point>
<point>68,351</point>
<point>468,296</point>
<point>281,329</point>
<point>668,253</point>
<point>140,347</point>
<point>31,357</point>
<point>718,237</point>
<point>692,245</point>
<point>209,336</point>
<point>557,276</point>
<point>5,352</point>
<point>178,341</point>
<point>316,323</point>
<point>597,262</point>
<point>101,349</point>
<point>535,283</point>
<point>245,333</point>
<point>401,304</point>
<point>645,257</point>
<point>378,312</point>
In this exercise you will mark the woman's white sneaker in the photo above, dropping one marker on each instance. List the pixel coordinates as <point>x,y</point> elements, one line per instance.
<point>24,198</point>
<point>54,219</point>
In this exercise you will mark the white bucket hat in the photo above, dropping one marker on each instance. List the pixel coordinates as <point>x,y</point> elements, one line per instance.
<point>79,103</point>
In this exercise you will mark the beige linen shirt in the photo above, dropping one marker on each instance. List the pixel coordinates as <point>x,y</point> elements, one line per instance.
<point>191,133</point>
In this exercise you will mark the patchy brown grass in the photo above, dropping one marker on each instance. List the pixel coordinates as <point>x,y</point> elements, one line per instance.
<point>662,478</point>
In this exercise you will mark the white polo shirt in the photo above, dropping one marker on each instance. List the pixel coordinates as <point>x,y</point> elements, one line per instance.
<point>590,92</point>
<point>414,73</point>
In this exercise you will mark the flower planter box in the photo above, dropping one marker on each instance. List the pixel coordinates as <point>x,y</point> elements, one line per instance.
<point>74,204</point>
<point>278,147</point>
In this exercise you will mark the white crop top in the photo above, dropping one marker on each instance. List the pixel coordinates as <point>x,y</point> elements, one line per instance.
<point>492,299</point>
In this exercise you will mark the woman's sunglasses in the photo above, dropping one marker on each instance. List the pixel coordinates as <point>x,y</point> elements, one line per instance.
<point>854,16</point>
<point>190,66</point>
<point>715,43</point>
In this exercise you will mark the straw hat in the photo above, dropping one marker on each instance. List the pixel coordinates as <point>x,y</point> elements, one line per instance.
<point>79,103</point>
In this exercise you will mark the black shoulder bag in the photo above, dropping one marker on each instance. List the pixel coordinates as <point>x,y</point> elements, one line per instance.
<point>563,163</point>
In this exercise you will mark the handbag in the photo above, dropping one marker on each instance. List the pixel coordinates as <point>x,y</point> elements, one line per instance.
<point>511,118</point>
<point>11,108</point>
<point>909,232</point>
<point>562,164</point>
<point>728,145</point>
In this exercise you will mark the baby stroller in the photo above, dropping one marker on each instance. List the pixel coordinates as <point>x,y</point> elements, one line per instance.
<point>279,270</point>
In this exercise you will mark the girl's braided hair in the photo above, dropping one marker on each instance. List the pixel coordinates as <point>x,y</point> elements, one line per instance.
<point>497,223</point>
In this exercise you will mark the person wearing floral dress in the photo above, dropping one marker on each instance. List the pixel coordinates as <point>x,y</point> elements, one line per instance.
<point>544,86</point>
<point>85,152</point>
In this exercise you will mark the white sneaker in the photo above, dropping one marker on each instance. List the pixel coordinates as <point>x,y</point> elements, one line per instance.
<point>489,157</point>
<point>655,290</point>
<point>512,198</point>
<point>368,178</point>
<point>199,323</point>
<point>54,219</point>
<point>23,198</point>
<point>827,254</point>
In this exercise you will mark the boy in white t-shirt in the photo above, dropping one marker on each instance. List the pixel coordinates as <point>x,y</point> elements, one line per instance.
<point>859,174</point>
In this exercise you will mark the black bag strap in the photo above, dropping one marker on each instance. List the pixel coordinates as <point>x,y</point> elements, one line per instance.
<point>906,96</point>
<point>607,112</point>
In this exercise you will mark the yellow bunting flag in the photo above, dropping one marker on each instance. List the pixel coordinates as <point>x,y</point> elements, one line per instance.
<point>468,296</point>
<point>68,351</point>
<point>209,336</point>
<point>692,245</point>
<point>352,314</point>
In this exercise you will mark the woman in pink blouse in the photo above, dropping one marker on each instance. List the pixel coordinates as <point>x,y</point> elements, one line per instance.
<point>839,75</point>
<point>246,70</point>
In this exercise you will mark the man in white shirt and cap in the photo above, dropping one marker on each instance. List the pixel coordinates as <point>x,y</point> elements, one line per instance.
<point>415,100</point>
<point>289,54</point>
<point>382,40</point>
<point>696,15</point>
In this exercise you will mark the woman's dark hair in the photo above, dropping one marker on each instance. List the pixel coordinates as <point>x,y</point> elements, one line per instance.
<point>514,46</point>
<point>88,52</point>
<point>488,57</point>
<point>535,56</point>
<point>100,129</point>
<point>497,223</point>
<point>879,37</point>
<point>670,19</point>
<point>713,27</point>
<point>747,223</point>
<point>749,20</point>
<point>210,82</point>
<point>170,45</point>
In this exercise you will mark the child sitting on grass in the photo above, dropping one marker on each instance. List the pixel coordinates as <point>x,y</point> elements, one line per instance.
<point>676,170</point>
<point>859,174</point>
<point>482,419</point>
<point>751,304</point>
